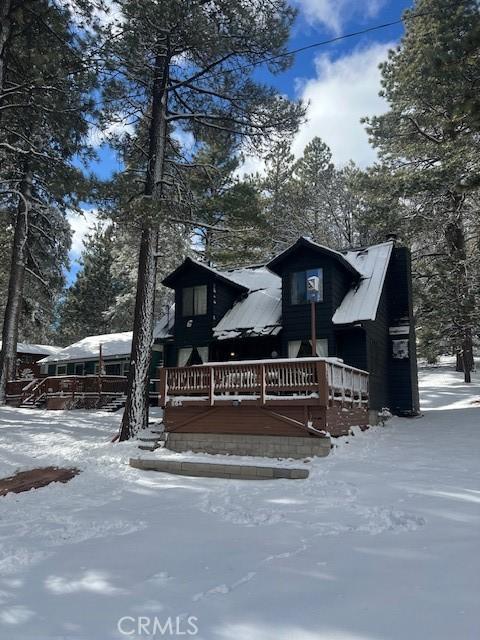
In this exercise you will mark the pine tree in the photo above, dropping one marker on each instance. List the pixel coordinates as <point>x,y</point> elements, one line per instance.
<point>428,144</point>
<point>187,65</point>
<point>45,101</point>
<point>312,197</point>
<point>85,308</point>
<point>227,207</point>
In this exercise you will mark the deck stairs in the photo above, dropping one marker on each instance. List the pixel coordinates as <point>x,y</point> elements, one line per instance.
<point>34,402</point>
<point>152,438</point>
<point>115,404</point>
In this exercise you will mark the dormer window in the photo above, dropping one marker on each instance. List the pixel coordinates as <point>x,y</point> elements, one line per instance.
<point>301,292</point>
<point>194,301</point>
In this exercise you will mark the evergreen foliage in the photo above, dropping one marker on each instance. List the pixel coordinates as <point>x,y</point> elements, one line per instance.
<point>428,146</point>
<point>85,308</point>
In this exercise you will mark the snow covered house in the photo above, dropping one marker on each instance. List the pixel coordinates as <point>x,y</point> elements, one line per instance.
<point>363,317</point>
<point>71,377</point>
<point>28,356</point>
<point>82,357</point>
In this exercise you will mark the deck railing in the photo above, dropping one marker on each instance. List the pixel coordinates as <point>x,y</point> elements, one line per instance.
<point>313,380</point>
<point>28,391</point>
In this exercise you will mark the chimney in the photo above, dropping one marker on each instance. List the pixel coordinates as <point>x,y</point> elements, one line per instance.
<point>391,237</point>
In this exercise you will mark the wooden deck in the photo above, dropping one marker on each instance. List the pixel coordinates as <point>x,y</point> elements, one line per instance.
<point>308,381</point>
<point>269,397</point>
<point>43,390</point>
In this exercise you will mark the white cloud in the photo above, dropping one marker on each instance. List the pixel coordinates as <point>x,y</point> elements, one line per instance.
<point>116,129</point>
<point>81,225</point>
<point>334,14</point>
<point>343,91</point>
<point>250,165</point>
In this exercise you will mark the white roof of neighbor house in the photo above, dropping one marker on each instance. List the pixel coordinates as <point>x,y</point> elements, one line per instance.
<point>113,344</point>
<point>36,349</point>
<point>259,313</point>
<point>361,302</point>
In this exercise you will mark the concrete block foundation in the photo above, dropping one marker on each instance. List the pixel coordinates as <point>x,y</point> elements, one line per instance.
<point>249,445</point>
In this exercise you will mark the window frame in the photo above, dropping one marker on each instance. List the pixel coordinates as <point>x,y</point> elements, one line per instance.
<point>307,273</point>
<point>195,300</point>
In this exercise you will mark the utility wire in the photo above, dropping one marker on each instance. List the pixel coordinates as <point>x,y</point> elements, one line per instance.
<point>322,43</point>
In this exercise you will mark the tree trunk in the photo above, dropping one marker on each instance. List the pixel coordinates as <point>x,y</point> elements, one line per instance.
<point>8,354</point>
<point>463,307</point>
<point>135,416</point>
<point>467,355</point>
<point>459,361</point>
<point>5,30</point>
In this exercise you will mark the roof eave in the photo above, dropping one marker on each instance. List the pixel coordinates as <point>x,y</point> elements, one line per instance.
<point>169,281</point>
<point>304,242</point>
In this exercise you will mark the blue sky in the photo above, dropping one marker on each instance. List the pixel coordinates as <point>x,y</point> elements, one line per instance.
<point>340,82</point>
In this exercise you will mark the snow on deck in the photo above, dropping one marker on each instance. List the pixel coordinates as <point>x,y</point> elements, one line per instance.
<point>113,344</point>
<point>379,543</point>
<point>361,302</point>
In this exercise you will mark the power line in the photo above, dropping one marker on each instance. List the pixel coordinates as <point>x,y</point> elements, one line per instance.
<point>322,43</point>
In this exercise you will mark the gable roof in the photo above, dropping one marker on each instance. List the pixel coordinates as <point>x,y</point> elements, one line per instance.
<point>259,313</point>
<point>113,344</point>
<point>170,280</point>
<point>36,349</point>
<point>361,302</point>
<point>306,243</point>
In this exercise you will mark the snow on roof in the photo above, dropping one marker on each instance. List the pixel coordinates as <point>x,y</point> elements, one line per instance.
<point>164,327</point>
<point>361,302</point>
<point>259,313</point>
<point>36,349</point>
<point>113,344</point>
<point>252,277</point>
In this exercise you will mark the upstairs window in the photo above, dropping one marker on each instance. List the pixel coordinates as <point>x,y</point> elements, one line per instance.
<point>194,301</point>
<point>301,292</point>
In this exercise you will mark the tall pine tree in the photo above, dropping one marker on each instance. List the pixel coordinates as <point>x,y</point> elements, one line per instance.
<point>428,145</point>
<point>86,305</point>
<point>188,65</point>
<point>45,101</point>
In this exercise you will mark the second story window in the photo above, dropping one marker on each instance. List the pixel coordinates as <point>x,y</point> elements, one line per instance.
<point>194,301</point>
<point>300,292</point>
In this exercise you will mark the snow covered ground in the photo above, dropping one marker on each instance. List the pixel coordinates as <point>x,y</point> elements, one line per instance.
<point>380,543</point>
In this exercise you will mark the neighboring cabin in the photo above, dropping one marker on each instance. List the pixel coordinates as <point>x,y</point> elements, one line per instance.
<point>28,356</point>
<point>82,358</point>
<point>364,315</point>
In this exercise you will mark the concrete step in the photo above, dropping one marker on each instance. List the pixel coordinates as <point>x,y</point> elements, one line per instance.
<point>214,470</point>
<point>149,446</point>
<point>148,438</point>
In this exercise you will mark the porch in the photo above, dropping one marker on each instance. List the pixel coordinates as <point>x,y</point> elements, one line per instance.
<point>291,398</point>
<point>69,392</point>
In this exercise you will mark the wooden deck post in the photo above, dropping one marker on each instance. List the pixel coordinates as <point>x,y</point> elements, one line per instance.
<point>263,385</point>
<point>211,387</point>
<point>322,378</point>
<point>163,388</point>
